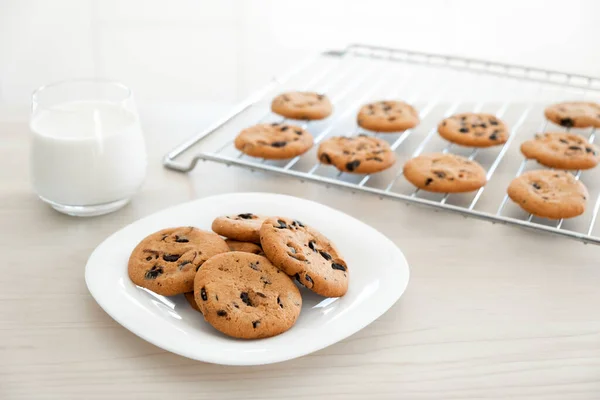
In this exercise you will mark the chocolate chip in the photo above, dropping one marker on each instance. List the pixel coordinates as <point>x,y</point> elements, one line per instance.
<point>386,108</point>
<point>186,262</point>
<point>279,302</point>
<point>325,255</point>
<point>281,225</point>
<point>311,245</point>
<point>493,122</point>
<point>375,159</point>
<point>254,266</point>
<point>181,239</point>
<point>337,266</point>
<point>222,313</point>
<point>259,294</point>
<point>246,216</point>
<point>482,125</point>
<point>320,96</point>
<point>352,165</point>
<point>494,136</point>
<point>298,132</point>
<point>297,277</point>
<point>286,98</point>
<point>428,181</point>
<point>255,324</point>
<point>444,123</point>
<point>235,305</point>
<point>154,272</point>
<point>275,124</point>
<point>563,141</point>
<point>297,223</point>
<point>171,257</point>
<point>245,299</point>
<point>325,158</point>
<point>463,130</point>
<point>278,144</point>
<point>284,128</point>
<point>568,122</point>
<point>536,186</point>
<point>265,280</point>
<point>149,258</point>
<point>590,150</point>
<point>440,174</point>
<point>575,148</point>
<point>203,294</point>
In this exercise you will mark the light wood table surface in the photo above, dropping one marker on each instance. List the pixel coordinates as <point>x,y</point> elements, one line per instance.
<point>491,312</point>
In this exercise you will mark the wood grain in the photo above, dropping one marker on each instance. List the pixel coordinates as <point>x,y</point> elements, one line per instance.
<point>491,312</point>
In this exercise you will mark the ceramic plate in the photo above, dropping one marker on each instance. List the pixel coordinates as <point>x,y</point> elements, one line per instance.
<point>378,277</point>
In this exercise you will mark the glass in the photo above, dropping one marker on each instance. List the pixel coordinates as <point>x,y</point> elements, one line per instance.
<point>88,155</point>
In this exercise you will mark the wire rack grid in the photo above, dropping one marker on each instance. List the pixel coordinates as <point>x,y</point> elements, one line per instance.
<point>438,86</point>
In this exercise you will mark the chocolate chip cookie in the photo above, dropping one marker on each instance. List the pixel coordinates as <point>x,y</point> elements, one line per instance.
<point>357,154</point>
<point>304,253</point>
<point>388,116</point>
<point>241,227</point>
<point>577,114</point>
<point>444,173</point>
<point>166,261</point>
<point>302,105</point>
<point>274,141</point>
<point>189,296</point>
<point>549,194</point>
<point>244,296</point>
<point>246,247</point>
<point>474,130</point>
<point>562,151</point>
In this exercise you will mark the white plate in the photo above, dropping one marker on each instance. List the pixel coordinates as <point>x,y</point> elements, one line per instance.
<point>378,276</point>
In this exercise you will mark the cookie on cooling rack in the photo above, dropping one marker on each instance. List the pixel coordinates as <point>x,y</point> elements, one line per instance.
<point>243,295</point>
<point>357,154</point>
<point>302,105</point>
<point>562,150</point>
<point>444,173</point>
<point>274,141</point>
<point>474,130</point>
<point>388,116</point>
<point>241,227</point>
<point>576,114</point>
<point>303,252</point>
<point>549,194</point>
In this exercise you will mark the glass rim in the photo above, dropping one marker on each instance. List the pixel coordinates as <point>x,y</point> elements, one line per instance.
<point>36,93</point>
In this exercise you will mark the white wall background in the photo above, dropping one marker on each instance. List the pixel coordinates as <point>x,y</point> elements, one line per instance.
<point>192,50</point>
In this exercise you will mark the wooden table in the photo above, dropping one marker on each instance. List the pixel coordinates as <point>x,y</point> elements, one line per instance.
<point>491,311</point>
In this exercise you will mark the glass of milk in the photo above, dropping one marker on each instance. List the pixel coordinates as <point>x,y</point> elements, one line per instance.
<point>88,155</point>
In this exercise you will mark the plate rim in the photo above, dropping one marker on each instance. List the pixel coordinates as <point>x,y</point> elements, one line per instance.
<point>320,345</point>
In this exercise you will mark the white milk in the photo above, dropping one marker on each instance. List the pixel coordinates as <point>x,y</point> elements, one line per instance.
<point>87,153</point>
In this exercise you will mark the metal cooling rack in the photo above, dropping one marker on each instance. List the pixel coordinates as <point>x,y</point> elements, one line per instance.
<point>438,86</point>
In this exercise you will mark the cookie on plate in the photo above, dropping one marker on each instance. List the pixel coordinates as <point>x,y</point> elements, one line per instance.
<point>444,173</point>
<point>244,296</point>
<point>562,150</point>
<point>302,105</point>
<point>474,130</point>
<point>303,252</point>
<point>358,154</point>
<point>388,116</point>
<point>189,296</point>
<point>549,194</point>
<point>166,261</point>
<point>274,141</point>
<point>576,114</point>
<point>246,247</point>
<point>241,227</point>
